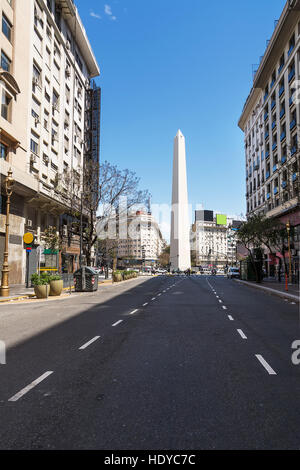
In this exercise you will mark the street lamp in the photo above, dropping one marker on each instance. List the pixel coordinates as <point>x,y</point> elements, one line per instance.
<point>288,228</point>
<point>4,291</point>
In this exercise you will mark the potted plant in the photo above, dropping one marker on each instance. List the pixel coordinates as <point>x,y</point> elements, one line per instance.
<point>41,286</point>
<point>117,276</point>
<point>56,285</point>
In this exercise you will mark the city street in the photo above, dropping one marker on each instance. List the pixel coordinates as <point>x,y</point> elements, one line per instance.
<point>154,363</point>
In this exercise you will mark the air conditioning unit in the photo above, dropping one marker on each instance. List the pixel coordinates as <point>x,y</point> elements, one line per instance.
<point>46,159</point>
<point>35,81</point>
<point>29,223</point>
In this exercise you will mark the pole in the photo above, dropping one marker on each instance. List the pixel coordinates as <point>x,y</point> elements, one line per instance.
<point>4,291</point>
<point>288,227</point>
<point>80,255</point>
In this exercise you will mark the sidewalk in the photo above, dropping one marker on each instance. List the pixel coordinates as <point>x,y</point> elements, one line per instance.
<point>276,288</point>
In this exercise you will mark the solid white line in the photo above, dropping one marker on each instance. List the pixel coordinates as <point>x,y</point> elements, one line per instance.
<point>134,311</point>
<point>89,342</point>
<point>30,386</point>
<point>230,318</point>
<point>265,364</point>
<point>117,323</point>
<point>242,334</point>
<point>144,305</point>
<point>223,306</point>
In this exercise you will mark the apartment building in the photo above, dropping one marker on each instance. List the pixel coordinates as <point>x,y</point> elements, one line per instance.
<point>47,128</point>
<point>270,121</point>
<point>137,238</point>
<point>214,239</point>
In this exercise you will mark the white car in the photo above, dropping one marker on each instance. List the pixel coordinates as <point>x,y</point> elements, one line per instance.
<point>233,273</point>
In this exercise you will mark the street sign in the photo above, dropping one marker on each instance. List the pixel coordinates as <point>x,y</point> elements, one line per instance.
<point>28,238</point>
<point>28,249</point>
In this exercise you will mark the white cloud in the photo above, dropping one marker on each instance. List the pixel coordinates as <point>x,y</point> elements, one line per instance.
<point>108,12</point>
<point>95,15</point>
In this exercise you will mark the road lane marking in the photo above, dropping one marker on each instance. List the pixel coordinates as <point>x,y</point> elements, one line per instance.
<point>134,311</point>
<point>30,386</point>
<point>144,305</point>
<point>265,364</point>
<point>220,301</point>
<point>117,323</point>
<point>164,291</point>
<point>230,318</point>
<point>242,334</point>
<point>223,306</point>
<point>89,342</point>
<point>154,298</point>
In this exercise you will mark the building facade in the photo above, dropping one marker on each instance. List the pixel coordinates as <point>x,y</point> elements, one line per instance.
<point>270,121</point>
<point>214,239</point>
<point>46,69</point>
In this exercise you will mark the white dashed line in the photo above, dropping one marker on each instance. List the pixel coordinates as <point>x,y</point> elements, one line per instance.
<point>242,334</point>
<point>223,306</point>
<point>144,305</point>
<point>134,311</point>
<point>154,298</point>
<point>230,318</point>
<point>30,386</point>
<point>220,301</point>
<point>117,323</point>
<point>158,295</point>
<point>265,364</point>
<point>88,343</point>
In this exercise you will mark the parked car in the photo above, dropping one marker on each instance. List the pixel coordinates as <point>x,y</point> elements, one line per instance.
<point>233,273</point>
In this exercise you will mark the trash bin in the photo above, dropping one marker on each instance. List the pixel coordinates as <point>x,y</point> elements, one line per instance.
<point>86,280</point>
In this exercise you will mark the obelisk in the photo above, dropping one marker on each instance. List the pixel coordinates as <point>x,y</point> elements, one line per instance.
<point>180,254</point>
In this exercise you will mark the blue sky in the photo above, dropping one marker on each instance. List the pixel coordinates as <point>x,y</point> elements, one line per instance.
<point>169,64</point>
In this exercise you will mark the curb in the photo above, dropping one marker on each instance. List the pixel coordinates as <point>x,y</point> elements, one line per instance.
<point>281,294</point>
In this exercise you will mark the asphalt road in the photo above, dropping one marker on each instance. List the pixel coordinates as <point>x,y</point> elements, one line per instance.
<point>165,363</point>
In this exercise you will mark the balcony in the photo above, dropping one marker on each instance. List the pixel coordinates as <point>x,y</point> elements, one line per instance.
<point>281,91</point>
<point>291,49</point>
<point>273,104</point>
<point>293,124</point>
<point>276,190</point>
<point>282,136</point>
<point>275,167</point>
<point>292,74</point>
<point>283,184</point>
<point>282,113</point>
<point>283,159</point>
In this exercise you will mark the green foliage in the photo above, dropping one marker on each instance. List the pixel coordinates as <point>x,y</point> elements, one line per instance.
<point>51,239</point>
<point>41,280</point>
<point>55,277</point>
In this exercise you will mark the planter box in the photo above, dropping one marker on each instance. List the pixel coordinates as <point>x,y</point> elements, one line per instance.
<point>42,292</point>
<point>56,288</point>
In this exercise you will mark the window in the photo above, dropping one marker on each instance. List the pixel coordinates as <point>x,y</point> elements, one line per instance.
<point>49,4</point>
<point>55,101</point>
<point>46,121</point>
<point>5,62</point>
<point>6,27</point>
<point>34,146</point>
<point>3,151</point>
<point>36,77</point>
<point>6,105</point>
<point>35,109</point>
